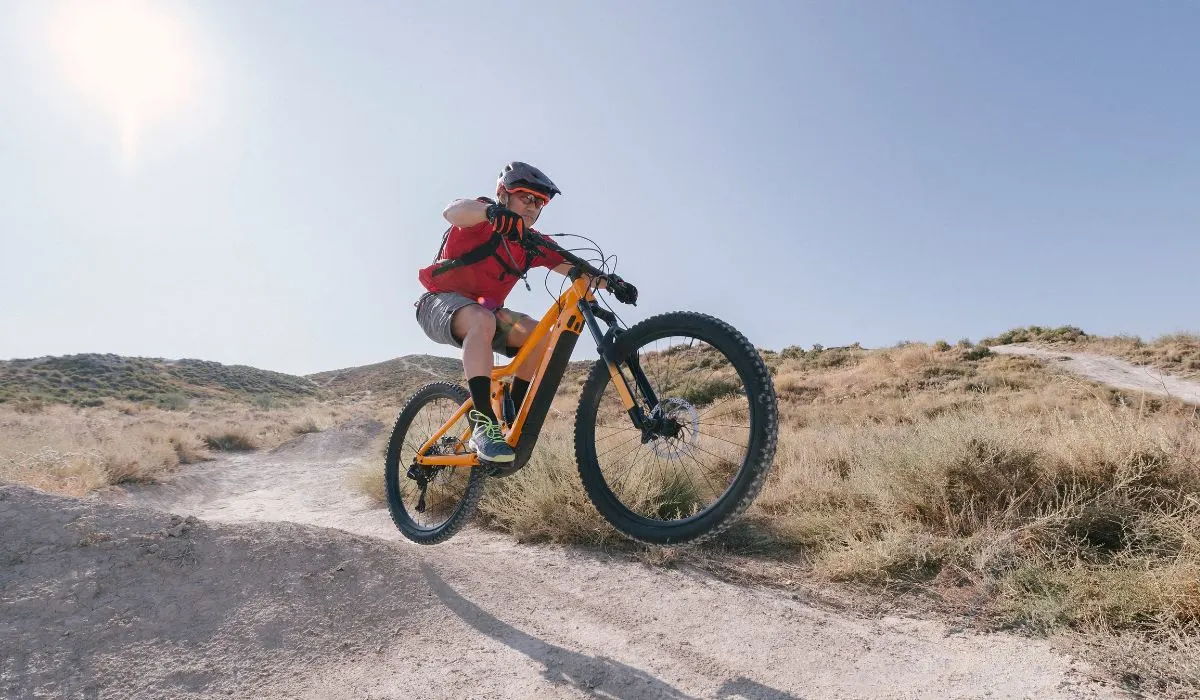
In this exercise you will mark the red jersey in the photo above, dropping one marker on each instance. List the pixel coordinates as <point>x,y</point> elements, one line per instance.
<point>486,281</point>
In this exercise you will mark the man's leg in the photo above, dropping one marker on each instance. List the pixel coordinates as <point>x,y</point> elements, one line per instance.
<point>475,326</point>
<point>519,327</point>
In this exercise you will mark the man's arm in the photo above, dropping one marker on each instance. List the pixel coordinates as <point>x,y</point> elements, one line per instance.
<point>465,213</point>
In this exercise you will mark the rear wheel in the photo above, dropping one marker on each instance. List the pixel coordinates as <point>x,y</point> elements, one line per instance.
<point>710,430</point>
<point>429,504</point>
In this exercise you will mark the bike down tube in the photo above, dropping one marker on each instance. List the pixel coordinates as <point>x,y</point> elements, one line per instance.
<point>558,320</point>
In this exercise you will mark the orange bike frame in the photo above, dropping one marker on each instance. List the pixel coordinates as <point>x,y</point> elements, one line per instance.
<point>563,318</point>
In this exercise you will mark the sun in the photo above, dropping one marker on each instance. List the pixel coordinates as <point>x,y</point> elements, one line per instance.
<point>131,58</point>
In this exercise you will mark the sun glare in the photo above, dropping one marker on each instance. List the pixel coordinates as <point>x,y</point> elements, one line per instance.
<point>131,58</point>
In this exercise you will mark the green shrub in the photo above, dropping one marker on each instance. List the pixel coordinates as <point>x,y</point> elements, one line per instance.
<point>1062,334</point>
<point>977,353</point>
<point>172,402</point>
<point>704,393</point>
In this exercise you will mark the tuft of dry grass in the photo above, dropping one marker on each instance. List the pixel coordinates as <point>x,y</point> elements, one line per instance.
<point>230,440</point>
<point>545,501</point>
<point>366,477</point>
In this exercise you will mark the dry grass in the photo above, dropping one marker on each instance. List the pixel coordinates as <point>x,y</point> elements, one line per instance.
<point>73,451</point>
<point>366,476</point>
<point>981,483</point>
<point>545,501</point>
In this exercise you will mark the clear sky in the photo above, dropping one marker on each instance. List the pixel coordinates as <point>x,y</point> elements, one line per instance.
<point>258,182</point>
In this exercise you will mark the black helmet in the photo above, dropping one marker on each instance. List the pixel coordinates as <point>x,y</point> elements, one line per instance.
<point>518,175</point>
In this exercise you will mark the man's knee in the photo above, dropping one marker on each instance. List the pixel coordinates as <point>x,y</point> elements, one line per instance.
<point>473,319</point>
<point>514,327</point>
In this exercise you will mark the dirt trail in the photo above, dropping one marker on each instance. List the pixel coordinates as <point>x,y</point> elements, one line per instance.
<point>1112,371</point>
<point>252,600</point>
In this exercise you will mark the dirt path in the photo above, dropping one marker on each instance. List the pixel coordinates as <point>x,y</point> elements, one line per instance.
<point>251,600</point>
<point>1112,371</point>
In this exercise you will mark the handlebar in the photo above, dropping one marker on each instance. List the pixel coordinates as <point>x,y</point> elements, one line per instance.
<point>583,265</point>
<point>532,243</point>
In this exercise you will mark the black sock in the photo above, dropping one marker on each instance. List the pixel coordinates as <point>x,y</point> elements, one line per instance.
<point>481,394</point>
<point>519,387</point>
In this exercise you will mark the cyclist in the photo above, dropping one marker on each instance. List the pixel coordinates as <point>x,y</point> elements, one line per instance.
<point>483,254</point>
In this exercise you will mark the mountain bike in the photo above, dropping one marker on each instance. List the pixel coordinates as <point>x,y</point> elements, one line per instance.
<point>675,430</point>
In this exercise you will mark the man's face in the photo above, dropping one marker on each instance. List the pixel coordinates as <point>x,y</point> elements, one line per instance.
<point>527,204</point>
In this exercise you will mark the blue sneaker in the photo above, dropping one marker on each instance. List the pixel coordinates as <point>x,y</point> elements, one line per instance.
<point>487,439</point>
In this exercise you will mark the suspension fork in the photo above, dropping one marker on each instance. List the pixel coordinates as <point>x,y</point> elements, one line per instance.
<point>605,346</point>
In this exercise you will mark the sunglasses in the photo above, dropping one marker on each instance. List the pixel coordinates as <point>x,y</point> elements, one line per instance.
<point>531,199</point>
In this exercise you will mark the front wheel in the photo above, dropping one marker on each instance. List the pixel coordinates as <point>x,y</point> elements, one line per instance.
<point>710,428</point>
<point>429,504</point>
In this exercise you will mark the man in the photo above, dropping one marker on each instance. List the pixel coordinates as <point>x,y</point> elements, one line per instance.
<point>481,258</point>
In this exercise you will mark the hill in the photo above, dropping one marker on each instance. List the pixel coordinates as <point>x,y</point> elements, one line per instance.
<point>90,379</point>
<point>395,379</point>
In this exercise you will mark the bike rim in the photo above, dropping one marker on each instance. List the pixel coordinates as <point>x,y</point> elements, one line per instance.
<point>690,463</point>
<point>446,487</point>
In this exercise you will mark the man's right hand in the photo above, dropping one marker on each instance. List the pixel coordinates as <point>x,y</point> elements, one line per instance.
<point>505,221</point>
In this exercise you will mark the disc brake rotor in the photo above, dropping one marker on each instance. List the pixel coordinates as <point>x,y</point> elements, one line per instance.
<point>684,415</point>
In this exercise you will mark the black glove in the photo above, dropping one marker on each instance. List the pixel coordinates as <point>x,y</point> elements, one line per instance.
<point>625,292</point>
<point>505,221</point>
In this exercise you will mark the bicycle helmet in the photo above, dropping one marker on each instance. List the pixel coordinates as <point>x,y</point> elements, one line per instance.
<point>517,175</point>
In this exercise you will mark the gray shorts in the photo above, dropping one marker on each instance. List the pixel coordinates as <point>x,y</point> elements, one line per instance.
<point>435,310</point>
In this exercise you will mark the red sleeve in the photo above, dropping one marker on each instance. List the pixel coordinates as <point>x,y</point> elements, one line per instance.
<point>546,258</point>
<point>461,240</point>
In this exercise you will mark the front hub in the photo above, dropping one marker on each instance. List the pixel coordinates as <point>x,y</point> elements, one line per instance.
<point>672,429</point>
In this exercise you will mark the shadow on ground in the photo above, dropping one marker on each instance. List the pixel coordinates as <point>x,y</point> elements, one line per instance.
<point>596,675</point>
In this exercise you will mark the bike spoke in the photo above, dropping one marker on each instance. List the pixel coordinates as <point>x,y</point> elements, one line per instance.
<point>704,471</point>
<point>618,481</point>
<point>615,432</point>
<point>635,437</point>
<point>718,437</point>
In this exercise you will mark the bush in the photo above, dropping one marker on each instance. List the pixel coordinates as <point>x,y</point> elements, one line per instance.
<point>173,401</point>
<point>308,425</point>
<point>941,346</point>
<point>1062,334</point>
<point>705,393</point>
<point>230,441</point>
<point>977,353</point>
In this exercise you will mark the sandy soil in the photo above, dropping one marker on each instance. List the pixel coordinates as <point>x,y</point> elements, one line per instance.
<point>1112,371</point>
<point>273,579</point>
